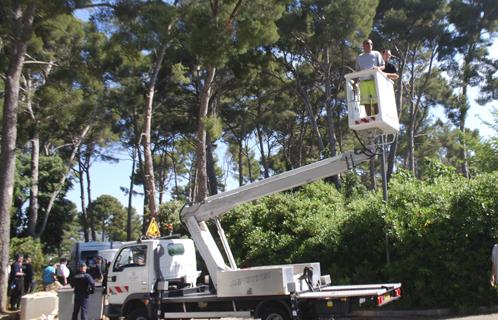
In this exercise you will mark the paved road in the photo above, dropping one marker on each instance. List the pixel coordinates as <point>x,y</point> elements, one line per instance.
<point>493,316</point>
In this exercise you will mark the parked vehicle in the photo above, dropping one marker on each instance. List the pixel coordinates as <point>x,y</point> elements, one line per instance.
<point>157,278</point>
<point>87,252</point>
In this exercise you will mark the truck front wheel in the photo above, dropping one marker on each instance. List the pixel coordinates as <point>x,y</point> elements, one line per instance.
<point>274,312</point>
<point>138,314</point>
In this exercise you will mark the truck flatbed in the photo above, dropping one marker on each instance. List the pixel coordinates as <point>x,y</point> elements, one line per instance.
<point>384,293</point>
<point>327,292</point>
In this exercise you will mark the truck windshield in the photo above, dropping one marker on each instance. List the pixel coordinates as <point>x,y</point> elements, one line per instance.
<point>135,256</point>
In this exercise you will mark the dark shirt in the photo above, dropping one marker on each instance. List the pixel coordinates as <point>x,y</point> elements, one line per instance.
<point>390,68</point>
<point>16,282</point>
<point>28,278</point>
<point>96,272</point>
<point>83,285</point>
<point>14,269</point>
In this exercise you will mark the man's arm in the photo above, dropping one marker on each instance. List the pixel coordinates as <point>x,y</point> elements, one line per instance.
<point>91,282</point>
<point>380,62</point>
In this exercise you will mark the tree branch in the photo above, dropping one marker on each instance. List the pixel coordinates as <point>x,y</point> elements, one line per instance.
<point>235,12</point>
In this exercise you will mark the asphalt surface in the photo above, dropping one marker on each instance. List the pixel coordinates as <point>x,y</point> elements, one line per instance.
<point>492,316</point>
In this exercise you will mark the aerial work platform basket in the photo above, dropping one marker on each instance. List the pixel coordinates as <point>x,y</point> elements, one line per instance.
<point>372,111</point>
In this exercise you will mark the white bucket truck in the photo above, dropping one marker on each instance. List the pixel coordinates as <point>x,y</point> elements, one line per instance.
<point>157,278</point>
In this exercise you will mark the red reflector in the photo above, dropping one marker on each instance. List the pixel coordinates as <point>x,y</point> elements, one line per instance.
<point>380,300</point>
<point>397,292</point>
<point>365,120</point>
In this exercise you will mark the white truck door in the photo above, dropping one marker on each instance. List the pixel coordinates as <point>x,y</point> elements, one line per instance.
<point>128,274</point>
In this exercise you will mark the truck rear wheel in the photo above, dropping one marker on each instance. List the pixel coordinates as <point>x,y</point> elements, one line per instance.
<point>274,312</point>
<point>138,314</point>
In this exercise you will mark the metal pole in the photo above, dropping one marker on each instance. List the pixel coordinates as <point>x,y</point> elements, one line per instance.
<point>383,169</point>
<point>384,189</point>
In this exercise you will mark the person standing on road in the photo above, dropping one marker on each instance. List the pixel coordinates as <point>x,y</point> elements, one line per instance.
<point>96,270</point>
<point>83,285</point>
<point>27,267</point>
<point>62,271</point>
<point>49,277</point>
<point>16,283</point>
<point>494,263</point>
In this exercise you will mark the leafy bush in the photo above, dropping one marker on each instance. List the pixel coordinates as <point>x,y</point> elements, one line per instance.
<point>443,235</point>
<point>439,235</point>
<point>287,227</point>
<point>31,247</point>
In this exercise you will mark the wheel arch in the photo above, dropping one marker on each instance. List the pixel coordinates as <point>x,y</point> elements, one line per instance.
<point>279,303</point>
<point>132,305</point>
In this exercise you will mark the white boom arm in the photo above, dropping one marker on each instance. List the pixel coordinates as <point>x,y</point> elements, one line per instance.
<point>213,207</point>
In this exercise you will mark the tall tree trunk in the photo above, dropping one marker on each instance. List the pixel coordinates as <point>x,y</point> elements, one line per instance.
<point>130,195</point>
<point>35,159</point>
<point>330,115</point>
<point>249,167</point>
<point>62,181</point>
<point>259,132</point>
<point>201,174</point>
<point>415,108</point>
<point>373,182</point>
<point>175,169</point>
<point>149,165</point>
<point>23,22</point>
<point>411,122</point>
<point>33,194</point>
<point>210,167</point>
<point>266,171</point>
<point>161,175</point>
<point>302,134</point>
<point>399,103</point>
<point>81,173</point>
<point>90,213</point>
<point>145,221</point>
<point>411,144</point>
<point>463,148</point>
<point>35,149</point>
<point>463,114</point>
<point>241,163</point>
<point>304,96</point>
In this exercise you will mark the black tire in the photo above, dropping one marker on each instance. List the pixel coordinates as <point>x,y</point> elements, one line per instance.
<point>138,314</point>
<point>274,312</point>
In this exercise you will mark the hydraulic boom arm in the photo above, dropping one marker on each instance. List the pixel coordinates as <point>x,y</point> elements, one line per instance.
<point>216,205</point>
<point>213,207</point>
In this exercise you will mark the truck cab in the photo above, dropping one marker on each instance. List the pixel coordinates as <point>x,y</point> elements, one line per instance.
<point>142,267</point>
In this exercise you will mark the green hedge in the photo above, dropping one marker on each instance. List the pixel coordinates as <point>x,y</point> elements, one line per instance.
<point>439,234</point>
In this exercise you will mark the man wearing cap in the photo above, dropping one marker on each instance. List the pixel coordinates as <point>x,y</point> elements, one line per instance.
<point>83,285</point>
